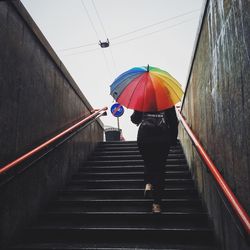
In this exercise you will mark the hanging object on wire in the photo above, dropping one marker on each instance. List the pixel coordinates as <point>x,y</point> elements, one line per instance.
<point>104,44</point>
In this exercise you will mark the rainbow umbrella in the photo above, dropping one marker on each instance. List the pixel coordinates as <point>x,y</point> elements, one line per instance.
<point>146,89</point>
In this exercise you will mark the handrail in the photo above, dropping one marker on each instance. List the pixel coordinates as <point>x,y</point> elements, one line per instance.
<point>53,139</point>
<point>237,207</point>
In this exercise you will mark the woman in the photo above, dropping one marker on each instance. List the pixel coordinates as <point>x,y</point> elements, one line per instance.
<point>157,132</point>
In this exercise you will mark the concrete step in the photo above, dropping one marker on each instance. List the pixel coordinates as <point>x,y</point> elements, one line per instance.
<point>129,148</point>
<point>130,162</point>
<point>104,245</point>
<point>129,193</point>
<point>123,219</point>
<point>161,235</point>
<point>128,175</point>
<point>131,152</point>
<point>137,168</point>
<point>127,183</point>
<point>130,157</point>
<point>76,204</point>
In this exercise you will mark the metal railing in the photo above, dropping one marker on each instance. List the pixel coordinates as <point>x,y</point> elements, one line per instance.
<point>96,113</point>
<point>233,201</point>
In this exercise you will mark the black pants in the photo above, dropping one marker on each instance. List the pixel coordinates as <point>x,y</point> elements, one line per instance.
<point>154,156</point>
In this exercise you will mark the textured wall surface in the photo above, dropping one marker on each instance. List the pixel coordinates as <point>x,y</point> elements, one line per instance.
<point>216,106</point>
<point>38,99</point>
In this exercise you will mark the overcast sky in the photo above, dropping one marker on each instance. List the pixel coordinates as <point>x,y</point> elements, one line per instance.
<point>156,32</point>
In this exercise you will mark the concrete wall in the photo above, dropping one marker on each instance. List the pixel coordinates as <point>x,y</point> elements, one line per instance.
<point>216,106</point>
<point>38,99</point>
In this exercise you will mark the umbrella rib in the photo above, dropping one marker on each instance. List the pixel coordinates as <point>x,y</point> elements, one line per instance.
<point>172,79</point>
<point>173,91</point>
<point>135,89</point>
<point>118,85</point>
<point>151,82</point>
<point>143,96</point>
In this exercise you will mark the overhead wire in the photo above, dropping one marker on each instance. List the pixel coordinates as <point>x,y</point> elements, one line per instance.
<point>107,64</point>
<point>154,24</point>
<point>104,30</point>
<point>125,34</point>
<point>153,32</point>
<point>99,18</point>
<point>78,47</point>
<point>113,59</point>
<point>93,26</point>
<point>82,52</point>
<point>138,37</point>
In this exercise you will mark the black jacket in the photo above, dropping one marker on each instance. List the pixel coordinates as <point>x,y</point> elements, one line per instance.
<point>170,119</point>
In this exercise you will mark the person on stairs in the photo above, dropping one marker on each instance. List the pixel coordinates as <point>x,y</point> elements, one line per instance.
<point>157,132</point>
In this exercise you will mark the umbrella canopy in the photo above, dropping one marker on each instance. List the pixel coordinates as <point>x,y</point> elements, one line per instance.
<point>146,89</point>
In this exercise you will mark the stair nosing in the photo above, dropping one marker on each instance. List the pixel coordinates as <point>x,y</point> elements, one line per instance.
<point>133,189</point>
<point>128,173</point>
<point>195,228</point>
<point>127,180</point>
<point>128,200</point>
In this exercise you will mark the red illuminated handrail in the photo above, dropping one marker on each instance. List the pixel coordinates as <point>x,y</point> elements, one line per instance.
<point>96,112</point>
<point>239,210</point>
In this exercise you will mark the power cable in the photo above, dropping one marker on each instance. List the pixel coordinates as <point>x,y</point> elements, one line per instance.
<point>101,22</point>
<point>107,64</point>
<point>151,33</point>
<point>90,19</point>
<point>138,37</point>
<point>82,52</point>
<point>113,60</point>
<point>154,24</point>
<point>78,47</point>
<point>105,59</point>
<point>99,18</point>
<point>128,33</point>
<point>110,50</point>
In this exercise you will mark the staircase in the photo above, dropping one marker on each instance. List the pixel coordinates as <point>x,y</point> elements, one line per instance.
<point>103,208</point>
